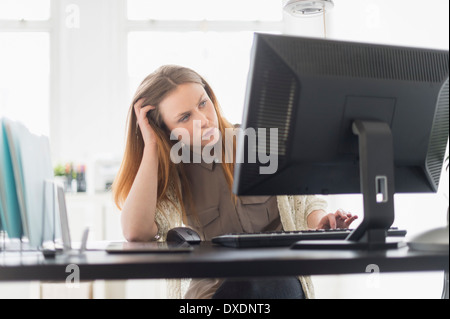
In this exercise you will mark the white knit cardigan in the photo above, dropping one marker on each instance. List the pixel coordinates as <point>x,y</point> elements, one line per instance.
<point>294,211</point>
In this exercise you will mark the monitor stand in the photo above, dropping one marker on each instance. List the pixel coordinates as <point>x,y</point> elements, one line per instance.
<point>376,152</point>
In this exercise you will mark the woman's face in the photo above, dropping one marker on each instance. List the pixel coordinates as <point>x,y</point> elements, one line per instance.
<point>189,112</point>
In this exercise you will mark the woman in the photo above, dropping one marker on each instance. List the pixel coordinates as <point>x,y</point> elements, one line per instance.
<point>156,194</point>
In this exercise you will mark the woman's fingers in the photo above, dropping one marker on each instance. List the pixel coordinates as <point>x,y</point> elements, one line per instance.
<point>144,112</point>
<point>147,108</point>
<point>341,213</point>
<point>141,113</point>
<point>340,219</point>
<point>142,122</point>
<point>350,220</point>
<point>344,219</point>
<point>138,107</point>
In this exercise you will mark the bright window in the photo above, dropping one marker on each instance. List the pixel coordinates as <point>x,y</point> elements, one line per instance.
<point>24,78</point>
<point>213,10</point>
<point>221,57</point>
<point>24,9</point>
<point>218,49</point>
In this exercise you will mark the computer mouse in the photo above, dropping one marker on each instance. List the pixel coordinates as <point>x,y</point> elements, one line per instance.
<point>183,234</point>
<point>435,240</point>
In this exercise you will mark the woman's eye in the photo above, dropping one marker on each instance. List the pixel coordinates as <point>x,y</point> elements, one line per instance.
<point>185,118</point>
<point>203,104</point>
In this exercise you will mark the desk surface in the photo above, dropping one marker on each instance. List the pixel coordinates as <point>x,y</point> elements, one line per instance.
<point>210,261</point>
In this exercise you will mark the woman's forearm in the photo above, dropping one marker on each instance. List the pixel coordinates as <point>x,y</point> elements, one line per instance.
<point>138,213</point>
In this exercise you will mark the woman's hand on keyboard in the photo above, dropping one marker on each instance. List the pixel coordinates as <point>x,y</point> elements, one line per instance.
<point>339,220</point>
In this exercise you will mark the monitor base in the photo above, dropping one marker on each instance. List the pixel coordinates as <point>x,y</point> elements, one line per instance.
<point>344,245</point>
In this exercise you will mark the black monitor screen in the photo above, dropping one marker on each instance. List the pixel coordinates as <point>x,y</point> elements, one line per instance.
<point>311,91</point>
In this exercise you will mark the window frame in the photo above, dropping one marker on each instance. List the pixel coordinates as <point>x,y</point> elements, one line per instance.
<point>48,26</point>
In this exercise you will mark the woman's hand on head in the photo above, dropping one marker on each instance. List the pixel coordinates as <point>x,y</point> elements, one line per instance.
<point>340,219</point>
<point>148,134</point>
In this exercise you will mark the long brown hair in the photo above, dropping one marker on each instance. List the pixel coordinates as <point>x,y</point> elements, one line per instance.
<point>154,89</point>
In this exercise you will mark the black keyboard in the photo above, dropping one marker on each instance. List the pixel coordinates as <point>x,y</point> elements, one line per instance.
<point>286,239</point>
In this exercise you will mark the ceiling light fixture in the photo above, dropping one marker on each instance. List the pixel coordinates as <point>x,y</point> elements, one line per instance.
<point>307,8</point>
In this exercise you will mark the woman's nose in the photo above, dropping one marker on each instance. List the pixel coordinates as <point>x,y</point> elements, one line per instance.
<point>202,120</point>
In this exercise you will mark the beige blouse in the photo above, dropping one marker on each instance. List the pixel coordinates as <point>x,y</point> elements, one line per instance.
<point>216,214</point>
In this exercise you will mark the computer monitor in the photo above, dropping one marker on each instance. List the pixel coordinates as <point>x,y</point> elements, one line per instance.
<point>350,118</point>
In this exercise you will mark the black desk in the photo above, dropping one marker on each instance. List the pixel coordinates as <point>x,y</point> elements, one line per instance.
<point>209,261</point>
